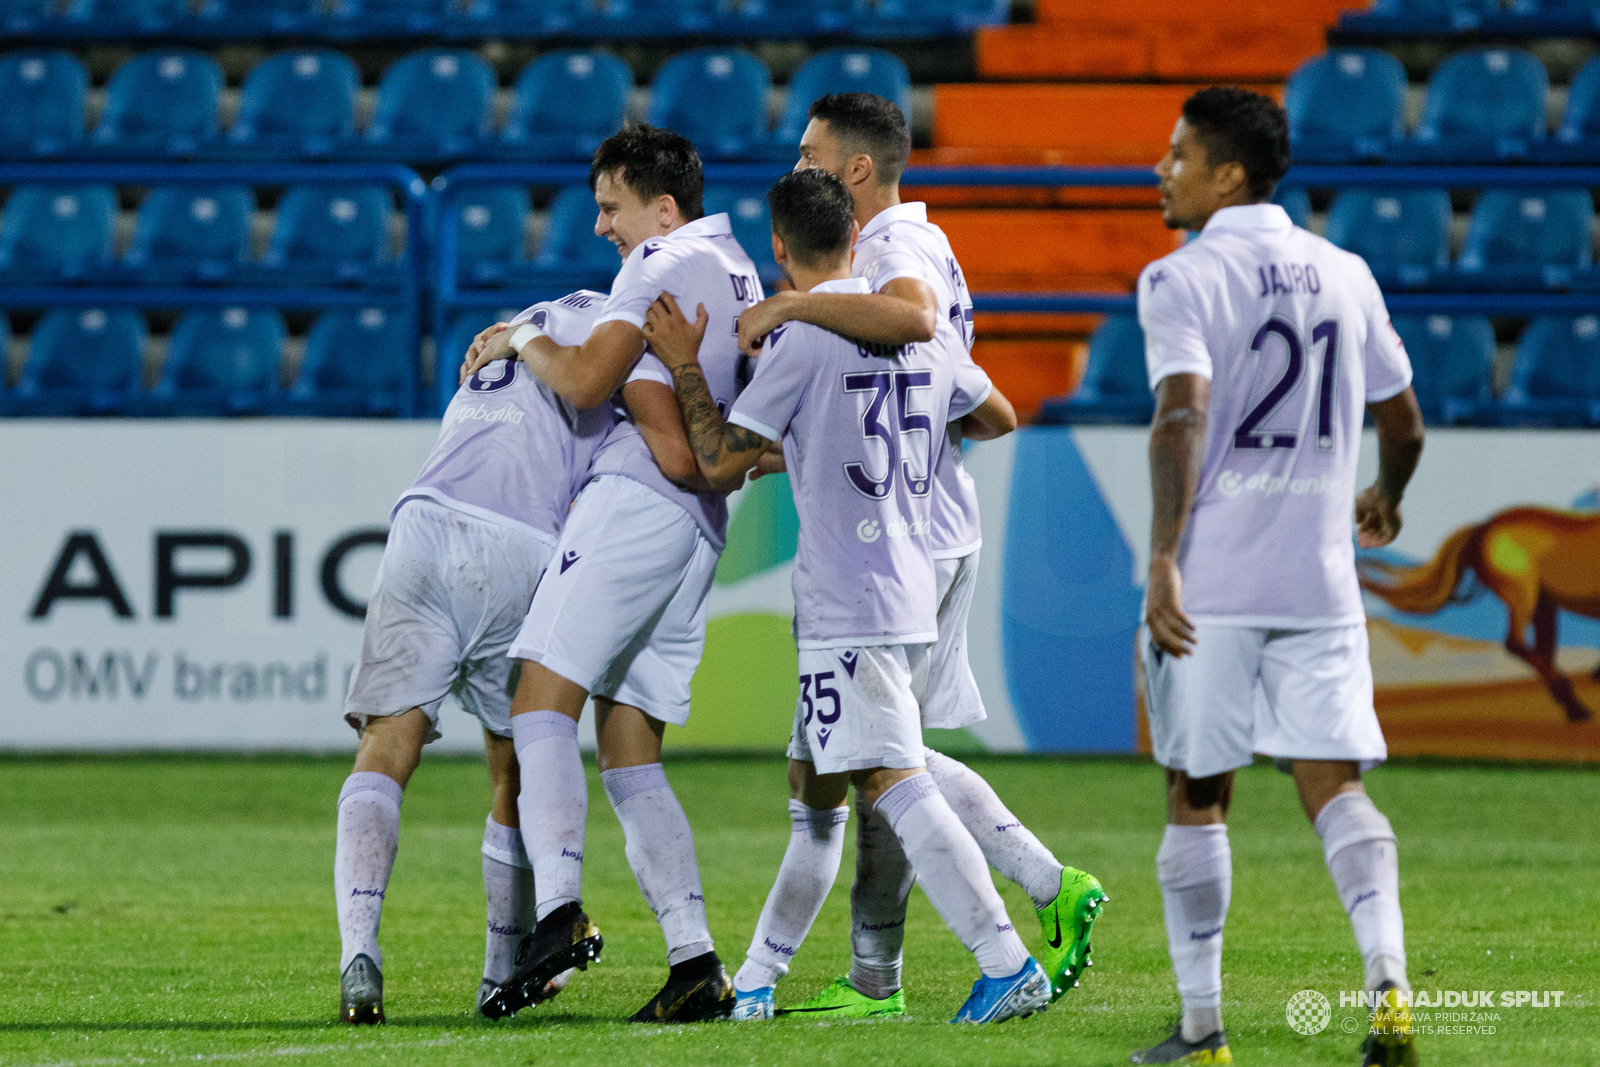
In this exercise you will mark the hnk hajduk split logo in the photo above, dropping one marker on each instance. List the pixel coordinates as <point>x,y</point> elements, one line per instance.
<point>1308,1012</point>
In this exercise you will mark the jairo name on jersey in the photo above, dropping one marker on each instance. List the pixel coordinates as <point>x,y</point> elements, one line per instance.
<point>1288,279</point>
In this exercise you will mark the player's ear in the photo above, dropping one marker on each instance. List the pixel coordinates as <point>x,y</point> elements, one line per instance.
<point>859,169</point>
<point>1232,179</point>
<point>780,254</point>
<point>855,234</point>
<point>666,210</point>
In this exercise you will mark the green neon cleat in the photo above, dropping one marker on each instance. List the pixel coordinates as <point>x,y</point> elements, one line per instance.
<point>841,999</point>
<point>1065,923</point>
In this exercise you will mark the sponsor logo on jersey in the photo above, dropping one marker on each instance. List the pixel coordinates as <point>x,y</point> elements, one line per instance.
<point>1232,483</point>
<point>869,530</point>
<point>484,413</point>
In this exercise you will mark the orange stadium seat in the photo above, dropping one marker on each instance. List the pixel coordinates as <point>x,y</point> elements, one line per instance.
<point>1234,12</point>
<point>1028,369</point>
<point>1029,249</point>
<point>1165,50</point>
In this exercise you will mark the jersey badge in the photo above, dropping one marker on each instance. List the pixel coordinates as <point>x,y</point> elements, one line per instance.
<point>568,558</point>
<point>847,660</point>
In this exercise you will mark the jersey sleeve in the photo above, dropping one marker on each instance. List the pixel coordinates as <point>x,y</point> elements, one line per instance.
<point>637,286</point>
<point>650,369</point>
<point>888,260</point>
<point>1169,314</point>
<point>1388,368</point>
<point>969,388</point>
<point>777,388</point>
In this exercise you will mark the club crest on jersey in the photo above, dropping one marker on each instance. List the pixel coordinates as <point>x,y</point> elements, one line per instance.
<point>848,661</point>
<point>568,558</point>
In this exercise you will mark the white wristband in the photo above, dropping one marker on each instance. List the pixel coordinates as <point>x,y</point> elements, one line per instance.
<point>522,335</point>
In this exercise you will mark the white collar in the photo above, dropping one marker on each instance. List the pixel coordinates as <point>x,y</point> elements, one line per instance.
<point>705,226</point>
<point>1249,217</point>
<point>843,285</point>
<point>915,211</point>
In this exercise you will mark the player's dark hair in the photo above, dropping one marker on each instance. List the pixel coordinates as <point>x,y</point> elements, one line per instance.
<point>869,123</point>
<point>1238,126</point>
<point>812,213</point>
<point>652,162</point>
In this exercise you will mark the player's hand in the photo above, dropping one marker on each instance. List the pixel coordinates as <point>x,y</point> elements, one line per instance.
<point>497,346</point>
<point>477,345</point>
<point>1377,518</point>
<point>1170,628</point>
<point>673,338</point>
<point>770,462</point>
<point>761,319</point>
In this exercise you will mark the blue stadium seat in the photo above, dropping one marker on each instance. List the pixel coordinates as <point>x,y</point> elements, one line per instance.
<point>252,18</point>
<point>571,256</point>
<point>565,103</point>
<point>190,233</point>
<point>897,19</point>
<point>1345,106</point>
<point>1555,380</point>
<point>1577,139</point>
<point>800,18</point>
<point>746,206</point>
<point>1483,105</point>
<point>1526,238</point>
<point>161,102</point>
<point>330,233</point>
<point>358,19</point>
<point>1296,202</point>
<point>357,362</point>
<point>298,103</point>
<point>1452,364</point>
<point>1430,16</point>
<point>109,18</point>
<point>1115,386</point>
<point>652,18</point>
<point>716,97</point>
<point>57,233</point>
<point>490,221</point>
<point>838,70</point>
<point>433,104</point>
<point>221,361</point>
<point>526,18</point>
<point>83,361</point>
<point>44,93</point>
<point>18,17</point>
<point>1403,234</point>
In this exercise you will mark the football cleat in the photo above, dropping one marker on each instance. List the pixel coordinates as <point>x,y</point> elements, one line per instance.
<point>842,999</point>
<point>1212,1049</point>
<point>994,1000</point>
<point>564,939</point>
<point>487,987</point>
<point>1391,1036</point>
<point>754,1005</point>
<point>361,993</point>
<point>697,990</point>
<point>1065,923</point>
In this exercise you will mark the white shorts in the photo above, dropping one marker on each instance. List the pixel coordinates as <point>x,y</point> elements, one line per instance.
<point>1290,694</point>
<point>860,708</point>
<point>953,699</point>
<point>622,608</point>
<point>451,591</point>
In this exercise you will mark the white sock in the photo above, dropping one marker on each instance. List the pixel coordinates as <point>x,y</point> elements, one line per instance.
<point>1195,868</point>
<point>660,849</point>
<point>1359,845</point>
<point>553,806</point>
<point>363,857</point>
<point>810,865</point>
<point>950,866</point>
<point>878,905</point>
<point>508,889</point>
<point>1009,846</point>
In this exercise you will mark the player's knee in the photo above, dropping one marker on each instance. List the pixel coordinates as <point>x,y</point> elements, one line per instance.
<point>1198,794</point>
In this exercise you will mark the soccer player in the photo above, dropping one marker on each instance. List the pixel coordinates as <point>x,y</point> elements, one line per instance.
<point>470,538</point>
<point>621,612</point>
<point>916,295</point>
<point>861,427</point>
<point>1264,345</point>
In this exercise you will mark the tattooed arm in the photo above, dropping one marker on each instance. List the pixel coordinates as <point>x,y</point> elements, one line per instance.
<point>723,452</point>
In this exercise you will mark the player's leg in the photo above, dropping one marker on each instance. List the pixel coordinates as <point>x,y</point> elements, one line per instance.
<point>507,871</point>
<point>817,816</point>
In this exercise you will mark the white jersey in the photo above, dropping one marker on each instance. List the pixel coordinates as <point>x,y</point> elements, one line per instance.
<point>510,450</point>
<point>1293,334</point>
<point>699,263</point>
<point>862,427</point>
<point>900,242</point>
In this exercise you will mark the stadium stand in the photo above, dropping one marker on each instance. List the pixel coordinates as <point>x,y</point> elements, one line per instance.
<point>716,97</point>
<point>221,362</point>
<point>160,104</point>
<point>84,361</point>
<point>1346,106</point>
<point>57,233</point>
<point>330,234</point>
<point>133,17</point>
<point>1483,105</point>
<point>1555,380</point>
<point>1115,386</point>
<point>752,223</point>
<point>299,103</point>
<point>1527,239</point>
<point>1452,362</point>
<point>45,94</point>
<point>565,103</point>
<point>839,70</point>
<point>571,256</point>
<point>357,362</point>
<point>1297,202</point>
<point>433,104</point>
<point>490,222</point>
<point>1403,234</point>
<point>191,234</point>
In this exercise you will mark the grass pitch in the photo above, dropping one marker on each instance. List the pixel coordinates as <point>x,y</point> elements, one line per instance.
<point>157,910</point>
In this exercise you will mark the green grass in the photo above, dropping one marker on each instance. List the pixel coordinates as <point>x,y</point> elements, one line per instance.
<point>157,910</point>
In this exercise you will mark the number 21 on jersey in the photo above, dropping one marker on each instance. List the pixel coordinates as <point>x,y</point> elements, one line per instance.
<point>1326,333</point>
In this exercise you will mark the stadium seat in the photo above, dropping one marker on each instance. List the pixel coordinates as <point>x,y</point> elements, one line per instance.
<point>1430,16</point>
<point>1526,238</point>
<point>900,19</point>
<point>18,17</point>
<point>1577,138</point>
<point>83,361</point>
<point>1297,202</point>
<point>44,94</point>
<point>298,103</point>
<point>248,18</point>
<point>1346,106</point>
<point>139,18</point>
<point>189,233</point>
<point>746,207</point>
<point>653,18</point>
<point>357,362</point>
<point>571,256</point>
<point>490,221</point>
<point>221,361</point>
<point>433,104</point>
<point>716,97</point>
<point>565,103</point>
<point>162,103</point>
<point>1403,234</point>
<point>56,233</point>
<point>1452,364</point>
<point>1555,380</point>
<point>529,18</point>
<point>1483,105</point>
<point>330,233</point>
<point>1115,386</point>
<point>360,19</point>
<point>798,18</point>
<point>839,70</point>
